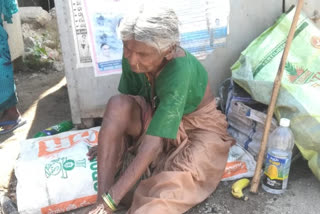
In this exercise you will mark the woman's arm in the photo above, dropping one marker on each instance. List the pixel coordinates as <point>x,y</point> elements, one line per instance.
<point>149,149</point>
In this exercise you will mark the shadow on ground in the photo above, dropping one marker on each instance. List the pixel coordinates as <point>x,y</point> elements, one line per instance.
<point>43,102</point>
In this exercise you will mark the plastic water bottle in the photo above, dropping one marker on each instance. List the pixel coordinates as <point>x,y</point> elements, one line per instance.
<point>61,127</point>
<point>278,160</point>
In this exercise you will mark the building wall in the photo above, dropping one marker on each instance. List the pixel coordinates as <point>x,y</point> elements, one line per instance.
<point>89,94</point>
<point>310,7</point>
<point>248,19</point>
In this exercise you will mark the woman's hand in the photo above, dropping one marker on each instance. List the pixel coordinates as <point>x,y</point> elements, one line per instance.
<point>100,209</point>
<point>93,151</point>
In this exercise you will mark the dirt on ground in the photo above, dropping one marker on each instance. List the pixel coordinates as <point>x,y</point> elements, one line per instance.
<point>43,102</point>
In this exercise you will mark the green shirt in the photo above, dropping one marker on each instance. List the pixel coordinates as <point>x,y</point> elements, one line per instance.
<point>179,88</point>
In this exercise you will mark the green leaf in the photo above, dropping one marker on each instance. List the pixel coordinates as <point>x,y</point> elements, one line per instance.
<point>290,69</point>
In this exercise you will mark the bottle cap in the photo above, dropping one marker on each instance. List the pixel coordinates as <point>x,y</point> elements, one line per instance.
<point>285,122</point>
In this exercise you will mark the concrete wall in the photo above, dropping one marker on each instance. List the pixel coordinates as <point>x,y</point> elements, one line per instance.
<point>88,94</point>
<point>310,7</point>
<point>248,19</point>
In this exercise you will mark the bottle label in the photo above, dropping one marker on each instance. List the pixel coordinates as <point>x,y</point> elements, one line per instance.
<point>50,131</point>
<point>276,171</point>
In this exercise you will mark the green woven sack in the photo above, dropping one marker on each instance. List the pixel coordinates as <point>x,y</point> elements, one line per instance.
<point>299,94</point>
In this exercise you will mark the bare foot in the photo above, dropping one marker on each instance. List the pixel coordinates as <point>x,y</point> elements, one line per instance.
<point>100,209</point>
<point>93,151</point>
<point>11,114</point>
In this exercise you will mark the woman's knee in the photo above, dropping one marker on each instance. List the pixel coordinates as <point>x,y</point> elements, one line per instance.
<point>123,108</point>
<point>120,104</point>
<point>124,112</point>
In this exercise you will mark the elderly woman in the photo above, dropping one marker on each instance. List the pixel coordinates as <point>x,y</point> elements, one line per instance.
<point>166,116</point>
<point>9,115</point>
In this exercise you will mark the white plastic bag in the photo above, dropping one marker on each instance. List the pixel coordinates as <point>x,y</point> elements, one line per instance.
<point>54,174</point>
<point>240,164</point>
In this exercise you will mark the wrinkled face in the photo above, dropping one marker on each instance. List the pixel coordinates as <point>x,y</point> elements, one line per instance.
<point>142,57</point>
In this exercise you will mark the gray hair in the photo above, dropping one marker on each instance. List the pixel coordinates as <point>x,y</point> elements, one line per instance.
<point>157,26</point>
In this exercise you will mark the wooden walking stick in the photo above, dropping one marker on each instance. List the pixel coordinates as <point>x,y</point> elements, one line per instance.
<point>276,86</point>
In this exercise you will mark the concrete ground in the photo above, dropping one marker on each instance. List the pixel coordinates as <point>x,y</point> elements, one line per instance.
<point>43,101</point>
